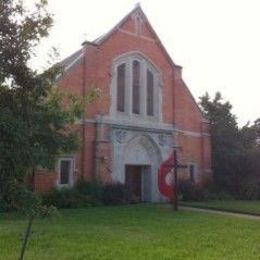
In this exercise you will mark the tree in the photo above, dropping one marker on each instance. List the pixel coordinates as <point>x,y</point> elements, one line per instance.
<point>34,115</point>
<point>226,146</point>
<point>233,149</point>
<point>250,137</point>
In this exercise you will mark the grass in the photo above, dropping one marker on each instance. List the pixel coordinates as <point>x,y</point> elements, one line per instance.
<point>132,232</point>
<point>246,206</point>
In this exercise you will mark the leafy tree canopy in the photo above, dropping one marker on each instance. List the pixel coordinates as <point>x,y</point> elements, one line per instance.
<point>34,115</point>
<point>233,149</point>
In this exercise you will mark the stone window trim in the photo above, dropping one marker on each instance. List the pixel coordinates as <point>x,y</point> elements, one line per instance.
<point>71,160</point>
<point>146,64</point>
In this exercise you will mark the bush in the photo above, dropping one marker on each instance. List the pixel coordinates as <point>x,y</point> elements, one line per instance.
<point>115,194</point>
<point>92,190</point>
<point>189,191</point>
<point>3,204</point>
<point>249,191</point>
<point>217,195</point>
<point>84,194</point>
<point>192,192</point>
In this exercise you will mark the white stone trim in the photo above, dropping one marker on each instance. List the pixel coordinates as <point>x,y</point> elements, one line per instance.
<point>191,133</point>
<point>135,35</point>
<point>74,61</point>
<point>126,122</point>
<point>138,53</point>
<point>140,149</point>
<point>145,64</point>
<point>71,174</point>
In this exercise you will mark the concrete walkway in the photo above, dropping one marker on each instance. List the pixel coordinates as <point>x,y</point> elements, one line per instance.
<point>224,213</point>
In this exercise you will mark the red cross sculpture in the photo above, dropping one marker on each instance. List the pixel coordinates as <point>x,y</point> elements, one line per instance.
<point>167,189</point>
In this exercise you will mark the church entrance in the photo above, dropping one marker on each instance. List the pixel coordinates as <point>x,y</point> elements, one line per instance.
<point>136,160</point>
<point>138,182</point>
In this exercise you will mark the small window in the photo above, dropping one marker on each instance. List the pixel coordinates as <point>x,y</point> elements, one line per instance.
<point>136,87</point>
<point>192,172</point>
<point>65,172</point>
<point>150,93</point>
<point>121,88</point>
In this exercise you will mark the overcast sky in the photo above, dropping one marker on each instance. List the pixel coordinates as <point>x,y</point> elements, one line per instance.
<point>216,41</point>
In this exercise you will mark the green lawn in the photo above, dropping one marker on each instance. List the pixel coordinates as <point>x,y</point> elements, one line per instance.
<point>247,206</point>
<point>132,232</point>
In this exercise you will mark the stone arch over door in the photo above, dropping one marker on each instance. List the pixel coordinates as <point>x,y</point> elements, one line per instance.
<point>141,150</point>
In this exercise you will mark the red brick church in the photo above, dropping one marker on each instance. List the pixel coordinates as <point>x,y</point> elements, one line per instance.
<point>144,112</point>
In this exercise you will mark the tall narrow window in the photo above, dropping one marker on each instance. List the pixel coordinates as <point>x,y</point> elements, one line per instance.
<point>136,87</point>
<point>150,93</point>
<point>121,88</point>
<point>192,172</point>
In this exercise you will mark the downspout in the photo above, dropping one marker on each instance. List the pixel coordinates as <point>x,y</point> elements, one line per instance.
<point>85,44</point>
<point>177,77</point>
<point>83,91</point>
<point>176,143</point>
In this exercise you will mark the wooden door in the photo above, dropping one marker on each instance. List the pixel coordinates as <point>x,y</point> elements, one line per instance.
<point>133,181</point>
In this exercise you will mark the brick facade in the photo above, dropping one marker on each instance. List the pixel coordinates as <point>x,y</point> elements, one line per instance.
<point>104,134</point>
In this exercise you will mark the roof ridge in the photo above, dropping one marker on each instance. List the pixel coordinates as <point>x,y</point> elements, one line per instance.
<point>105,36</point>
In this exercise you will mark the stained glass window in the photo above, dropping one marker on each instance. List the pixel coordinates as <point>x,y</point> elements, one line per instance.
<point>136,87</point>
<point>121,87</point>
<point>150,93</point>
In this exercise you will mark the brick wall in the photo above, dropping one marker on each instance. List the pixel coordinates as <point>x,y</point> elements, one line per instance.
<point>178,106</point>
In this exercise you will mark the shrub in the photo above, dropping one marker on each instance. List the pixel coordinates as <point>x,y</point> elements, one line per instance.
<point>115,194</point>
<point>84,194</point>
<point>189,191</point>
<point>3,204</point>
<point>250,191</point>
<point>91,189</point>
<point>217,195</point>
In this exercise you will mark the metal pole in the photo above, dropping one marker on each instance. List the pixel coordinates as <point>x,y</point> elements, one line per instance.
<point>175,172</point>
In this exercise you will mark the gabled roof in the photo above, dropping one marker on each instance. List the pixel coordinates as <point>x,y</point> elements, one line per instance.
<point>68,62</point>
<point>76,57</point>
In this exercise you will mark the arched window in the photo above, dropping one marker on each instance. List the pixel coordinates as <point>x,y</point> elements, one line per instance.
<point>135,88</point>
<point>121,87</point>
<point>150,93</point>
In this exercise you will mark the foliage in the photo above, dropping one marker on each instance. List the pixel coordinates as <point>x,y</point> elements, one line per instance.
<point>84,194</point>
<point>234,151</point>
<point>34,118</point>
<point>21,30</point>
<point>225,138</point>
<point>34,115</point>
<point>189,191</point>
<point>91,189</point>
<point>115,194</point>
<point>133,232</point>
<point>21,95</point>
<point>213,194</point>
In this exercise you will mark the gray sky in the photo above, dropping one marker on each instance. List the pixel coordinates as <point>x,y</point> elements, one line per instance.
<point>216,41</point>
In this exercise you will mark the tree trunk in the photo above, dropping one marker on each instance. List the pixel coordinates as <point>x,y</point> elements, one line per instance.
<point>27,234</point>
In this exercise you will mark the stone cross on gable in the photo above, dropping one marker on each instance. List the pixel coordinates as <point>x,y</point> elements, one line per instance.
<point>138,23</point>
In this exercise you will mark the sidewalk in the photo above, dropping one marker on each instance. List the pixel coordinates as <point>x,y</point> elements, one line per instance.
<point>239,215</point>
